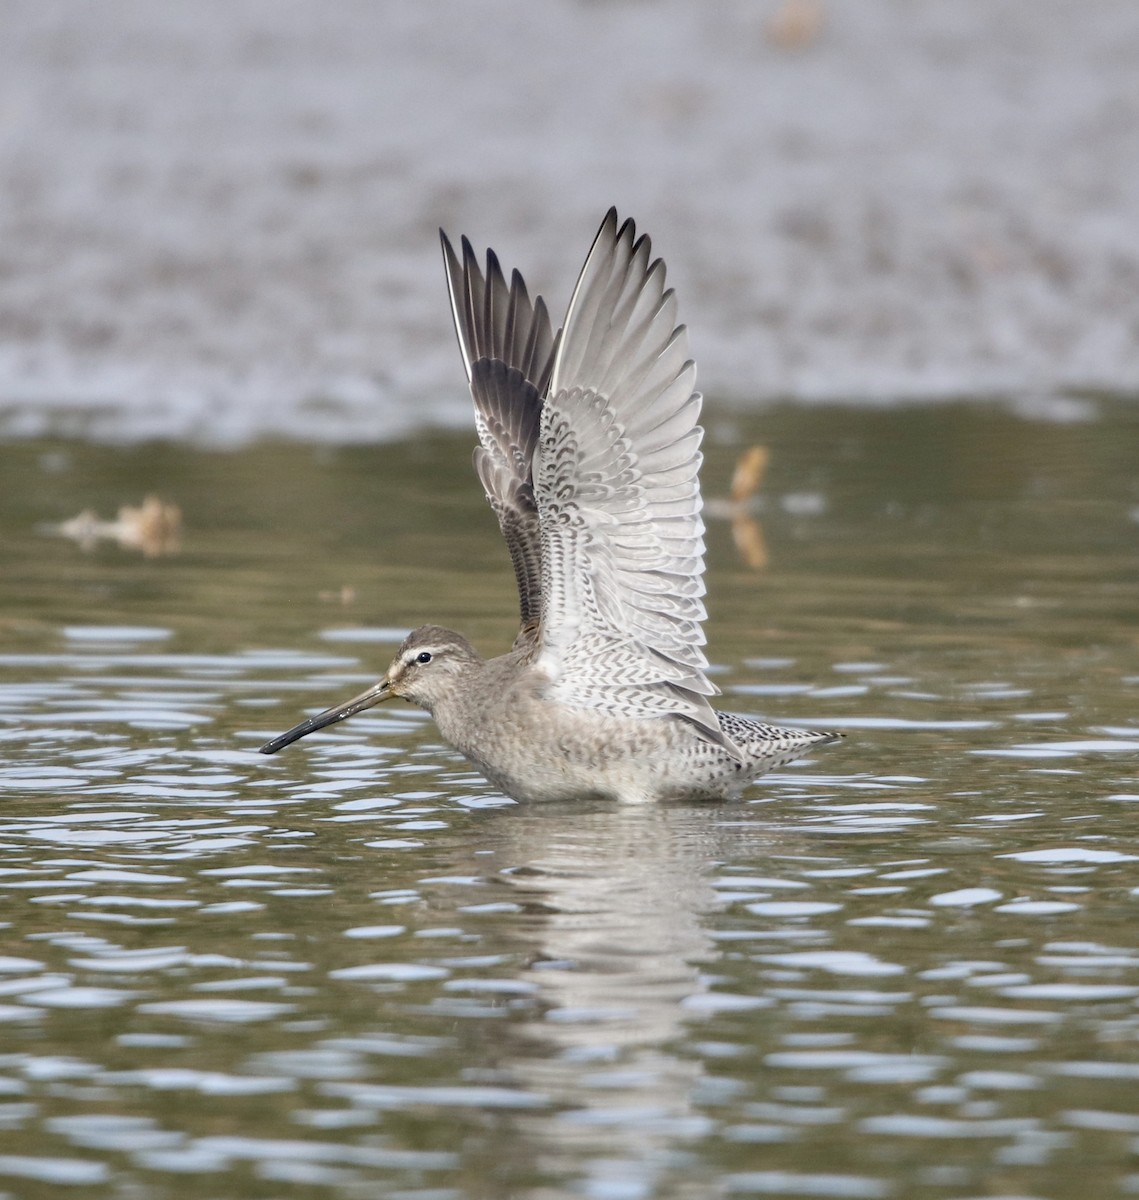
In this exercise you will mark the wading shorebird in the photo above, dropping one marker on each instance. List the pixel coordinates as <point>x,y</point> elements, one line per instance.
<point>589,456</point>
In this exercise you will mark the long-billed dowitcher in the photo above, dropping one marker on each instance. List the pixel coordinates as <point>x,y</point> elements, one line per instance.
<point>589,454</point>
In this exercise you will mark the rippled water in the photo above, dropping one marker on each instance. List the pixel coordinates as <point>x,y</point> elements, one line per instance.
<point>906,967</point>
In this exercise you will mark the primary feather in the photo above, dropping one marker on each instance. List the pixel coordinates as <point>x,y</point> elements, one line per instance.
<point>508,352</point>
<point>618,494</point>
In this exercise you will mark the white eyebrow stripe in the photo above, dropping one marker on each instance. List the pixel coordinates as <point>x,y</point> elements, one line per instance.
<point>409,656</point>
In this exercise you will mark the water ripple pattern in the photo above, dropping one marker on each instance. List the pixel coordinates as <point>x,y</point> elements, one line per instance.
<point>905,970</point>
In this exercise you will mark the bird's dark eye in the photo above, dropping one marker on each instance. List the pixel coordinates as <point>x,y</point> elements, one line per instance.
<point>423,657</point>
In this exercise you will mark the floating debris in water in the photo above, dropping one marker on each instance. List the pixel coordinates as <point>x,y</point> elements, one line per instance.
<point>749,472</point>
<point>155,528</point>
<point>747,532</point>
<point>345,594</point>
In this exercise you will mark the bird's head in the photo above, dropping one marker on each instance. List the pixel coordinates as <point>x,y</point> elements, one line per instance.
<point>425,671</point>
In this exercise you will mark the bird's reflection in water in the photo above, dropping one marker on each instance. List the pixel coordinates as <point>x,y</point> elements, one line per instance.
<point>616,899</point>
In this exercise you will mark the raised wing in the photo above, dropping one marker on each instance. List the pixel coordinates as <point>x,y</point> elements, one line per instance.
<point>618,496</point>
<point>508,352</point>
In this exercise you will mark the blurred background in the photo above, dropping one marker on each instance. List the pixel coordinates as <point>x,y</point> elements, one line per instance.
<point>218,220</point>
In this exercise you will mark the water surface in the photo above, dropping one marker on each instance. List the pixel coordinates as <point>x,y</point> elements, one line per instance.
<point>905,967</point>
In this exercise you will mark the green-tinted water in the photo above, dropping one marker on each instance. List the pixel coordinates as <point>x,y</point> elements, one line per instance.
<point>906,967</point>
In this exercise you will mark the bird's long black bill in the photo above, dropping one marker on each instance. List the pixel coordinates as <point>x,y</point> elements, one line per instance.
<point>330,716</point>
